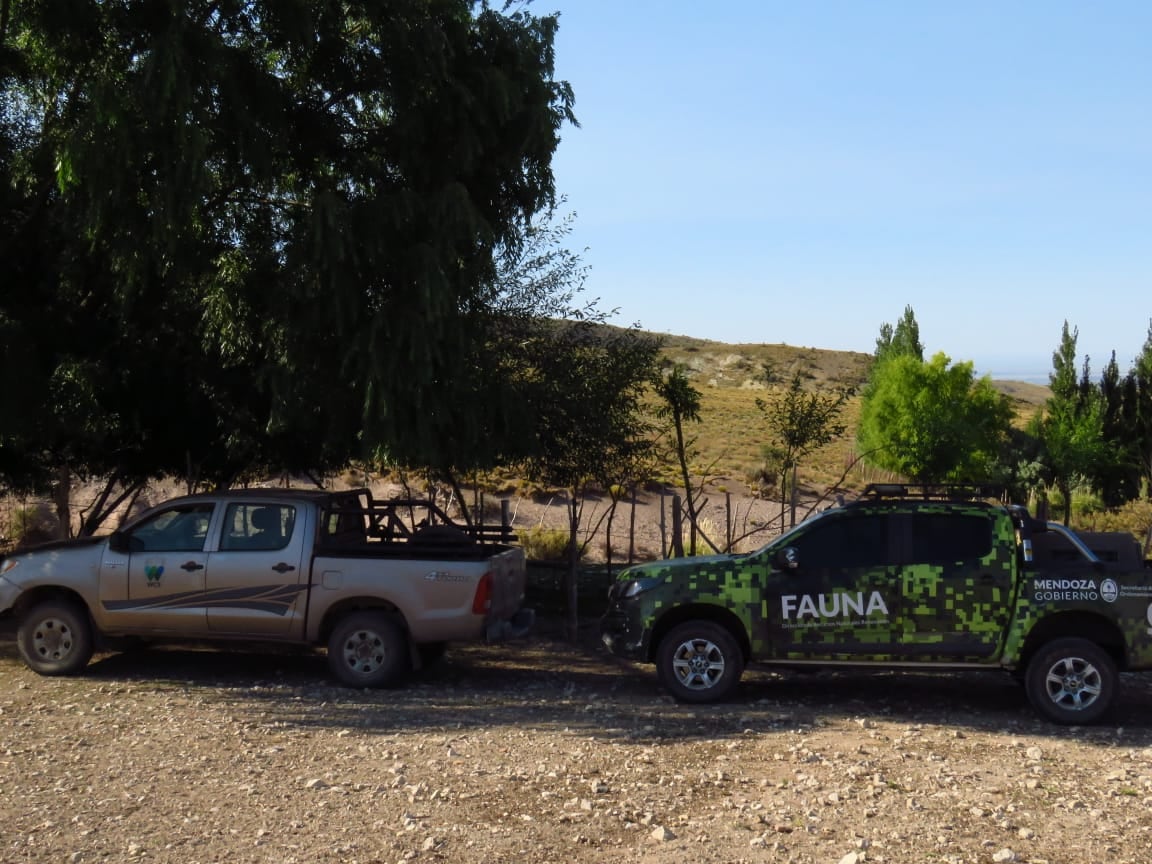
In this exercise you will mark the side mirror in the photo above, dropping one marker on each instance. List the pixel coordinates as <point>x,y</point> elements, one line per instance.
<point>123,543</point>
<point>787,558</point>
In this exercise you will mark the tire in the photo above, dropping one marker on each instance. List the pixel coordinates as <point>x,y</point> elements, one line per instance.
<point>1072,681</point>
<point>699,661</point>
<point>55,638</point>
<point>368,649</point>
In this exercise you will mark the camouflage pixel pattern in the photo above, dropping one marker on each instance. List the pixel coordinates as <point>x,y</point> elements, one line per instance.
<point>975,612</point>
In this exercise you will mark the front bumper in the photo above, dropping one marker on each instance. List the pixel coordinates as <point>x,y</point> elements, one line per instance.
<point>9,591</point>
<point>623,632</point>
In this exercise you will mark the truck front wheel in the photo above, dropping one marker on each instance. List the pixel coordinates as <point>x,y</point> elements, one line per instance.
<point>699,661</point>
<point>1072,681</point>
<point>55,638</point>
<point>368,649</point>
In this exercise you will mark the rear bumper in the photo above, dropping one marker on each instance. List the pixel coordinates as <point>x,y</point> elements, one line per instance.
<point>516,627</point>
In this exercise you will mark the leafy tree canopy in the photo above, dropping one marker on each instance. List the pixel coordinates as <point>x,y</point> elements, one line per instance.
<point>799,422</point>
<point>259,232</point>
<point>932,420</point>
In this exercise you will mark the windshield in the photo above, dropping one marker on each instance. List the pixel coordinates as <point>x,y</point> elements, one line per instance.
<point>782,540</point>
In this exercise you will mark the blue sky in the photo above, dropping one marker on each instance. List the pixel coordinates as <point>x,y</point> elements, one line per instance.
<point>799,172</point>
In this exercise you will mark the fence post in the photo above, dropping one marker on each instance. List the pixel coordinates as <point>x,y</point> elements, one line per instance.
<point>663,528</point>
<point>728,522</point>
<point>677,528</point>
<point>632,530</point>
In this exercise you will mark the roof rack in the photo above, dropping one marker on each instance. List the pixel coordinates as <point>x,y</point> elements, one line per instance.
<point>932,491</point>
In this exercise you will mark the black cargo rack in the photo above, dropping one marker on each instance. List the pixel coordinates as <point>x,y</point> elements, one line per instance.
<point>355,517</point>
<point>931,491</point>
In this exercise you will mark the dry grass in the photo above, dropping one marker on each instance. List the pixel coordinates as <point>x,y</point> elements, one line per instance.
<point>730,438</point>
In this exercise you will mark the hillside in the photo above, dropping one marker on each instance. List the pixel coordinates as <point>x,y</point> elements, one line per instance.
<point>732,432</point>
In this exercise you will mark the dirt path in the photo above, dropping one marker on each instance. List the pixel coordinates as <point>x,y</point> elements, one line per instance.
<point>546,753</point>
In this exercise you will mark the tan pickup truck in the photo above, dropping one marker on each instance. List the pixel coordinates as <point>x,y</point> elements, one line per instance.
<point>381,584</point>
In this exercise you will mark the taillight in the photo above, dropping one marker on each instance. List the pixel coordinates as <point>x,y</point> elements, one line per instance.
<point>482,602</point>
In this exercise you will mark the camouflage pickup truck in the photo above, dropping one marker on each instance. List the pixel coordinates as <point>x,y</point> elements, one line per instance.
<point>907,576</point>
<point>381,584</point>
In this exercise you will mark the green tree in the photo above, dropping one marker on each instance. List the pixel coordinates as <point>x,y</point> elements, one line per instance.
<point>1119,479</point>
<point>800,421</point>
<point>591,429</point>
<point>901,341</point>
<point>932,421</point>
<point>680,403</point>
<point>1139,408</point>
<point>1070,427</point>
<point>275,224</point>
<point>486,419</point>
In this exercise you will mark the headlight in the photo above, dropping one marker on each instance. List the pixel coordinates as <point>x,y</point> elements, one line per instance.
<point>7,564</point>
<point>639,586</point>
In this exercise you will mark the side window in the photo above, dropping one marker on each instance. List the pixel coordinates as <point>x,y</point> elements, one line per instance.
<point>851,541</point>
<point>947,538</point>
<point>344,523</point>
<point>260,527</point>
<point>181,529</point>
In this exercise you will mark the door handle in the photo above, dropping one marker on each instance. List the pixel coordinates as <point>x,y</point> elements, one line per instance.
<point>283,568</point>
<point>191,566</point>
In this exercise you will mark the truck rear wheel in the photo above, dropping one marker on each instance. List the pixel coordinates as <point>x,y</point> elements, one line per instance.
<point>699,661</point>
<point>368,649</point>
<point>55,638</point>
<point>1072,681</point>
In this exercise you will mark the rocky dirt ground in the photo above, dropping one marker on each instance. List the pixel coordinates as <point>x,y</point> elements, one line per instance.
<point>547,752</point>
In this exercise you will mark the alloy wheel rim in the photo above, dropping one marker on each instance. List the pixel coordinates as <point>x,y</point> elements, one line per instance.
<point>698,664</point>
<point>1074,683</point>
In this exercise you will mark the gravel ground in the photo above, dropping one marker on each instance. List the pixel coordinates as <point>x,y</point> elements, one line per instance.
<point>544,752</point>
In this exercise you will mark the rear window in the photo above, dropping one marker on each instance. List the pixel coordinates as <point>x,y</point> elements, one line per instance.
<point>945,538</point>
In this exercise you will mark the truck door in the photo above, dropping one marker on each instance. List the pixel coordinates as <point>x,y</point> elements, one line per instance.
<point>957,586</point>
<point>160,585</point>
<point>257,583</point>
<point>838,603</point>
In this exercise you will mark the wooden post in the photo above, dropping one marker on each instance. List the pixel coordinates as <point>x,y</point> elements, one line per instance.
<point>728,522</point>
<point>677,528</point>
<point>663,529</point>
<point>632,530</point>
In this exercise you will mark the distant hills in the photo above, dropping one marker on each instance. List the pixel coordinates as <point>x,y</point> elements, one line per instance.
<point>730,438</point>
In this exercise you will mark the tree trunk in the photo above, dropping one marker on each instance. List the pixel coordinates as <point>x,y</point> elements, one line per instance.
<point>62,496</point>
<point>573,568</point>
<point>683,457</point>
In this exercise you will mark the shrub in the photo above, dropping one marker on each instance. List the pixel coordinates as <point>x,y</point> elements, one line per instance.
<point>28,526</point>
<point>1135,517</point>
<point>706,527</point>
<point>544,544</point>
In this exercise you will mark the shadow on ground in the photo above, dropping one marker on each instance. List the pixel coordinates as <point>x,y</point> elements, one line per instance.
<point>550,683</point>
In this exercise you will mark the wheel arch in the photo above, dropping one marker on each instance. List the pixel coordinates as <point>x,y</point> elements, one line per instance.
<point>1080,624</point>
<point>51,594</point>
<point>726,618</point>
<point>338,610</point>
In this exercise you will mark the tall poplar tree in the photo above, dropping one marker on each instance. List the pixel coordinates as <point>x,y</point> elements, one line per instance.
<point>1071,425</point>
